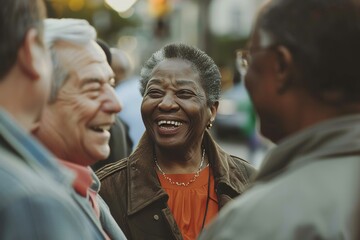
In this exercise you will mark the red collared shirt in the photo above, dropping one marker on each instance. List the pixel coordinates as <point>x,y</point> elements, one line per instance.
<point>82,183</point>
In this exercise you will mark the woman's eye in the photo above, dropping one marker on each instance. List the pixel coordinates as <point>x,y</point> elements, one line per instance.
<point>185,94</point>
<point>155,93</point>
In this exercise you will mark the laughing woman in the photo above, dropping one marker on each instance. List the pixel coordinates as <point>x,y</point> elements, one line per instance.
<point>178,178</point>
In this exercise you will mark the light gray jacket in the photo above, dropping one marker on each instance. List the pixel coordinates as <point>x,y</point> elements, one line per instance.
<point>307,188</point>
<point>37,200</point>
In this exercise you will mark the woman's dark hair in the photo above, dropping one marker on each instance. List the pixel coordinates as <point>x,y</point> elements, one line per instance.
<point>208,71</point>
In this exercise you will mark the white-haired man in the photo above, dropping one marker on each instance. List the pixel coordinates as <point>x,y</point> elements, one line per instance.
<point>82,107</point>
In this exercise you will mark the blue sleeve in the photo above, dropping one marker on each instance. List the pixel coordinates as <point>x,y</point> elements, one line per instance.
<point>41,217</point>
<point>108,222</point>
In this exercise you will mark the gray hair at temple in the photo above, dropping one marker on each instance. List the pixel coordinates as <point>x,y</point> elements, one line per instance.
<point>323,37</point>
<point>75,31</point>
<point>209,73</point>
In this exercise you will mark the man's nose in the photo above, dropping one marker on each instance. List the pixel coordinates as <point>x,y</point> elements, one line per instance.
<point>112,103</point>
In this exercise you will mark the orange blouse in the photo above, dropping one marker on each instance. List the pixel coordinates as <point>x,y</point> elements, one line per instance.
<point>188,204</point>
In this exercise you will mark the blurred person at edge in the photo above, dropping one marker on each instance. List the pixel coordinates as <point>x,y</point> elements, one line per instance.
<point>178,177</point>
<point>304,82</point>
<point>81,109</point>
<point>120,143</point>
<point>128,91</point>
<point>37,198</point>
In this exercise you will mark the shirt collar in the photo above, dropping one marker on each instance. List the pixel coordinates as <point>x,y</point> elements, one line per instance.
<point>83,178</point>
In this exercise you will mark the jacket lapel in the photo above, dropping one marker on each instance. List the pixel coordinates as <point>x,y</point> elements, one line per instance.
<point>144,187</point>
<point>227,173</point>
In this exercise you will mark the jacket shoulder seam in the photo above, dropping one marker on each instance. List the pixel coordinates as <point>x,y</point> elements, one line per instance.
<point>243,165</point>
<point>111,168</point>
<point>238,158</point>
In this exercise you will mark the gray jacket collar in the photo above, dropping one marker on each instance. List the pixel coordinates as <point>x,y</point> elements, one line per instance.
<point>328,139</point>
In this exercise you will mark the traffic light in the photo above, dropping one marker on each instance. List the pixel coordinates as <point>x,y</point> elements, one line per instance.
<point>159,8</point>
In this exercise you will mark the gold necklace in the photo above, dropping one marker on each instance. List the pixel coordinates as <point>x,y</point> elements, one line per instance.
<point>183,184</point>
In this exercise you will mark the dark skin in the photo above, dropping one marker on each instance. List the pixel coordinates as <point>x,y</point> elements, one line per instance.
<point>174,93</point>
<point>264,81</point>
<point>284,107</point>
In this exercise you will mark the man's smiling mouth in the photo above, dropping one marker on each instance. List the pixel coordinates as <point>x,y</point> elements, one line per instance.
<point>102,128</point>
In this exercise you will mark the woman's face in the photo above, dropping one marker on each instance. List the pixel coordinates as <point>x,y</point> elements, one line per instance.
<point>174,108</point>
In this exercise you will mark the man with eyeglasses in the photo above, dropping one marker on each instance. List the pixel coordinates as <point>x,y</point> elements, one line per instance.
<point>303,77</point>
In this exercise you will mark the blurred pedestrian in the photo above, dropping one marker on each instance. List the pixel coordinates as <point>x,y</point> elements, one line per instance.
<point>82,107</point>
<point>120,143</point>
<point>37,199</point>
<point>304,82</point>
<point>128,91</point>
<point>178,177</point>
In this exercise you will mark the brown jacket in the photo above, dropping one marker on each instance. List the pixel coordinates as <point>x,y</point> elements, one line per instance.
<point>137,201</point>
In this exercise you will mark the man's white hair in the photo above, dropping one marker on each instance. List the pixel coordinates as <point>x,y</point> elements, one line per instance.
<point>77,31</point>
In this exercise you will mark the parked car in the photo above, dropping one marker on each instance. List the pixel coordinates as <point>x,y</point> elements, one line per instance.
<point>235,116</point>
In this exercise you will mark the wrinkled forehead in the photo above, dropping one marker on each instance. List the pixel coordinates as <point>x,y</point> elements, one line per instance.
<point>72,54</point>
<point>176,67</point>
<point>84,60</point>
<point>177,72</point>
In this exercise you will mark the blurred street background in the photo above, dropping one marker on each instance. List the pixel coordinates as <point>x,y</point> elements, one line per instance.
<point>218,27</point>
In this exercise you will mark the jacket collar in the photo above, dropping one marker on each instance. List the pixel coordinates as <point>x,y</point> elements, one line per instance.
<point>227,172</point>
<point>331,138</point>
<point>83,178</point>
<point>143,184</point>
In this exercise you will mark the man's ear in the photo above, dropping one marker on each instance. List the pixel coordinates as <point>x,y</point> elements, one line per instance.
<point>29,53</point>
<point>285,67</point>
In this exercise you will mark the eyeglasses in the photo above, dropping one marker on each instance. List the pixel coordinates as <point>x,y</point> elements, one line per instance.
<point>242,61</point>
<point>244,58</point>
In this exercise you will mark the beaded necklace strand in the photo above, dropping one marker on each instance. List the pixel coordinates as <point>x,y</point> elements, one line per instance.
<point>183,184</point>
